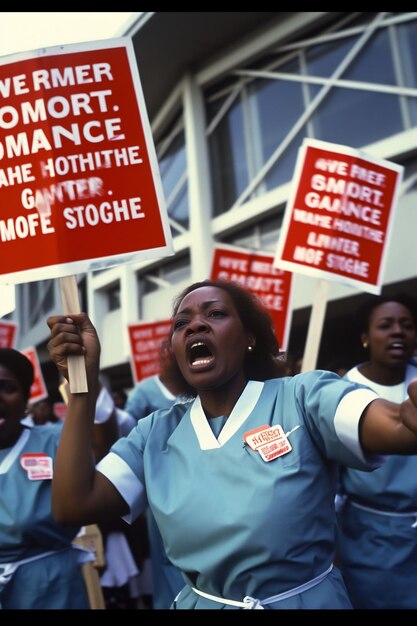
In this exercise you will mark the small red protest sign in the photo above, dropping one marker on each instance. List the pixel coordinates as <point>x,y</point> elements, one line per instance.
<point>80,187</point>
<point>8,334</point>
<point>60,410</point>
<point>38,391</point>
<point>337,223</point>
<point>255,272</point>
<point>145,341</point>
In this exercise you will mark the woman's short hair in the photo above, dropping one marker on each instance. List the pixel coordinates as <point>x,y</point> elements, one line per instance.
<point>20,366</point>
<point>365,310</point>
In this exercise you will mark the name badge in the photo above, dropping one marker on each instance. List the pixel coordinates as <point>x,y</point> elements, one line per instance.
<point>270,441</point>
<point>37,465</point>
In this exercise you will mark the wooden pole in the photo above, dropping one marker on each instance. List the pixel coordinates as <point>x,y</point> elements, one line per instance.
<point>76,364</point>
<point>7,299</point>
<point>91,539</point>
<point>315,327</point>
<point>94,590</point>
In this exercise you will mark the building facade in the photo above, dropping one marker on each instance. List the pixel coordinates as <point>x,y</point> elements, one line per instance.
<point>230,98</point>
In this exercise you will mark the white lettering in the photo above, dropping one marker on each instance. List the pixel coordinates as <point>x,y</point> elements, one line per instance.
<point>68,76</point>
<point>107,212</point>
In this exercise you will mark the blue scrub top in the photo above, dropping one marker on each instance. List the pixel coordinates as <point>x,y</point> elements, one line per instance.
<point>393,486</point>
<point>147,396</point>
<point>27,529</point>
<point>234,524</point>
<point>377,525</point>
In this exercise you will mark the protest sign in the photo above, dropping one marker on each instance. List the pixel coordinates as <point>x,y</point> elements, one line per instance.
<point>255,272</point>
<point>60,410</point>
<point>38,390</point>
<point>79,182</point>
<point>337,223</point>
<point>145,341</point>
<point>8,334</point>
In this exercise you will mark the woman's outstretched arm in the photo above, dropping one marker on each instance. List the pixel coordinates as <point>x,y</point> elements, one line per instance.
<point>389,428</point>
<point>80,494</point>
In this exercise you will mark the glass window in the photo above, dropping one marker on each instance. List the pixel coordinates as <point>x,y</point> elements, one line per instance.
<point>113,298</point>
<point>278,105</point>
<point>245,238</point>
<point>261,236</point>
<point>148,285</point>
<point>266,109</point>
<point>410,174</point>
<point>269,230</point>
<point>283,170</point>
<point>173,170</point>
<point>350,116</point>
<point>172,273</point>
<point>407,42</point>
<point>40,301</point>
<point>178,270</point>
<point>178,207</point>
<point>323,59</point>
<point>228,157</point>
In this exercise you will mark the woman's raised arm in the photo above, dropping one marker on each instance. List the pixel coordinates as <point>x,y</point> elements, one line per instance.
<point>80,494</point>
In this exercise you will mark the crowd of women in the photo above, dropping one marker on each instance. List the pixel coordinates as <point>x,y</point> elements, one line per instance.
<point>264,490</point>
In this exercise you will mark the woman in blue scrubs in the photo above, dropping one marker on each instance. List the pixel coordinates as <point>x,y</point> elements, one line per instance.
<point>40,567</point>
<point>241,478</point>
<point>150,394</point>
<point>377,542</point>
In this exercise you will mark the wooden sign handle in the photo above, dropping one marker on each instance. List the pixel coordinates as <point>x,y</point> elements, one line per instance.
<point>7,299</point>
<point>318,313</point>
<point>76,364</point>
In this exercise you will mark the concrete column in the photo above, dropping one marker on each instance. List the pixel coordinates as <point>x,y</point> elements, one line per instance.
<point>199,188</point>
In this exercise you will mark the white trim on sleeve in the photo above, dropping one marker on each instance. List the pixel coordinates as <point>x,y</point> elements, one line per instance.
<point>113,467</point>
<point>346,422</point>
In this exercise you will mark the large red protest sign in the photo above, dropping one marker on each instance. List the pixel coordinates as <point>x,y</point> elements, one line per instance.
<point>255,272</point>
<point>337,222</point>
<point>145,342</point>
<point>38,390</point>
<point>79,182</point>
<point>8,334</point>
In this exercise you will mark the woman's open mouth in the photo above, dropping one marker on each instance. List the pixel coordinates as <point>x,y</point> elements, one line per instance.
<point>199,354</point>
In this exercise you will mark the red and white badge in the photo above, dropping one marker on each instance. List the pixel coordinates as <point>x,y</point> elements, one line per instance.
<point>38,465</point>
<point>270,441</point>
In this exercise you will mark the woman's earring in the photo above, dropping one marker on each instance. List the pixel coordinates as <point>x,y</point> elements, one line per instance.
<point>365,344</point>
<point>250,348</point>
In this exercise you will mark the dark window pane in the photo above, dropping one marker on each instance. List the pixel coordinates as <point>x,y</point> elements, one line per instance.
<point>283,170</point>
<point>228,158</point>
<point>356,117</point>
<point>407,41</point>
<point>178,208</point>
<point>113,298</point>
<point>278,104</point>
<point>172,166</point>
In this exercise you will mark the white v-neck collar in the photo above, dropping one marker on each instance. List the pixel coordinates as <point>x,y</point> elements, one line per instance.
<point>10,458</point>
<point>241,411</point>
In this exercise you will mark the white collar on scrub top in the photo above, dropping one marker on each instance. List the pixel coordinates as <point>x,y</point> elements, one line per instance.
<point>241,410</point>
